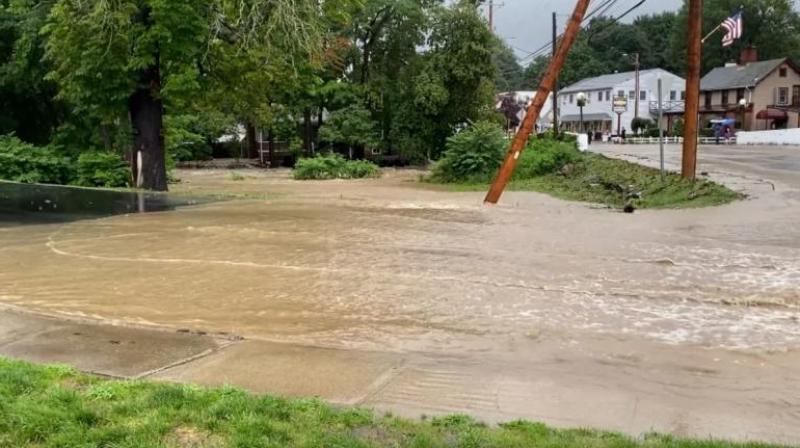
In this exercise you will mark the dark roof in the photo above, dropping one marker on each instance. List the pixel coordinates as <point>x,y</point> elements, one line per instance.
<point>738,77</point>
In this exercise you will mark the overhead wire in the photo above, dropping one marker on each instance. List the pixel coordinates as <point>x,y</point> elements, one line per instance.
<point>601,9</point>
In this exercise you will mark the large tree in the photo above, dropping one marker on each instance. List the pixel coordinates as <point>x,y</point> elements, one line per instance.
<point>115,58</point>
<point>27,105</point>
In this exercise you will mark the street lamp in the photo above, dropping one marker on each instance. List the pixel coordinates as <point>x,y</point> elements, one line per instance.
<point>742,108</point>
<point>581,104</point>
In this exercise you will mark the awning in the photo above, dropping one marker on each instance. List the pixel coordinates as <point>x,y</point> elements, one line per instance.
<point>772,114</point>
<point>586,117</point>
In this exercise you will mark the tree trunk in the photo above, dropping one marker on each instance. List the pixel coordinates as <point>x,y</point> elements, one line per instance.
<point>307,131</point>
<point>252,144</point>
<point>271,143</point>
<point>146,110</point>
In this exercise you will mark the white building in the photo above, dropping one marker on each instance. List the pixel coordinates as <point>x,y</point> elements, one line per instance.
<point>598,113</point>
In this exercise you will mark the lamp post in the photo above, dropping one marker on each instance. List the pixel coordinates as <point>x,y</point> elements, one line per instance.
<point>742,108</point>
<point>581,104</point>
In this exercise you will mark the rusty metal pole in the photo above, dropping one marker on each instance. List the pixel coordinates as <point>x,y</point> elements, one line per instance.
<point>532,116</point>
<point>689,166</point>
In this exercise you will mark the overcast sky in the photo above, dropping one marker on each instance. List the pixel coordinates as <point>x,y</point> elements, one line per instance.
<point>526,24</point>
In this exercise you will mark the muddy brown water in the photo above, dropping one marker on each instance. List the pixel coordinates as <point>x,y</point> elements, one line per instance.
<point>390,265</point>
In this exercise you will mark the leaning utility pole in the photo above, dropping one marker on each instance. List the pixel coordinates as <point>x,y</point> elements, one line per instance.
<point>532,116</point>
<point>555,86</point>
<point>695,48</point>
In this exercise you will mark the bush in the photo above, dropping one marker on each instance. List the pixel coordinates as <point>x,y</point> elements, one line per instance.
<point>545,156</point>
<point>640,124</point>
<point>102,169</point>
<point>473,155</point>
<point>22,162</point>
<point>334,166</point>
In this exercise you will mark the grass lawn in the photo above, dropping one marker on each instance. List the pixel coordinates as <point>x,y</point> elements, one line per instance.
<point>599,179</point>
<point>57,407</point>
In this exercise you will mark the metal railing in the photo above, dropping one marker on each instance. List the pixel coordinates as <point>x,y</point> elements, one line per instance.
<point>674,140</point>
<point>669,106</point>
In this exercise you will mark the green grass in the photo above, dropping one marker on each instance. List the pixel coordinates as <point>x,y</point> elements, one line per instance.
<point>598,179</point>
<point>58,407</point>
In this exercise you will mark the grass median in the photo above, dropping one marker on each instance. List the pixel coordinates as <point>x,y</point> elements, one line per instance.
<point>55,406</point>
<point>557,168</point>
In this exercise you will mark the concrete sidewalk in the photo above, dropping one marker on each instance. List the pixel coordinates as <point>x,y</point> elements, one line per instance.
<point>562,382</point>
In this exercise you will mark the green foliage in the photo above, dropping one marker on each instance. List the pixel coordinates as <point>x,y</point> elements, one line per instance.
<point>102,169</point>
<point>351,126</point>
<point>639,124</point>
<point>509,74</point>
<point>473,155</point>
<point>334,166</point>
<point>677,128</point>
<point>22,162</point>
<point>545,156</point>
<point>58,407</point>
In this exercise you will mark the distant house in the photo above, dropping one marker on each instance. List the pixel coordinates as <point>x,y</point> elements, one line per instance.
<point>513,105</point>
<point>759,95</point>
<point>600,91</point>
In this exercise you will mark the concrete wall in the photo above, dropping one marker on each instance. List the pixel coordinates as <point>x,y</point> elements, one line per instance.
<point>777,137</point>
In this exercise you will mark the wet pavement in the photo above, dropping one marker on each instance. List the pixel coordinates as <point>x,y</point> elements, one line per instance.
<point>685,321</point>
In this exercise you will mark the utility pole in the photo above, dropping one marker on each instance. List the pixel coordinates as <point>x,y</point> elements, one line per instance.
<point>694,53</point>
<point>636,64</point>
<point>532,116</point>
<point>491,16</point>
<point>555,86</point>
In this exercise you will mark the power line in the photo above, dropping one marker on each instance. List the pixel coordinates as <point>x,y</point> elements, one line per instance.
<point>544,48</point>
<point>602,9</point>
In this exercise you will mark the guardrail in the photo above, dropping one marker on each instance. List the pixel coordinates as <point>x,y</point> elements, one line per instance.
<point>674,140</point>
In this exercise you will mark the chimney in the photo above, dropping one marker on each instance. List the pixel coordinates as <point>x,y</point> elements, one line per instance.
<point>749,54</point>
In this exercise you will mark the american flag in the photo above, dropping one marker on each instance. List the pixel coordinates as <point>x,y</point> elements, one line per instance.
<point>734,27</point>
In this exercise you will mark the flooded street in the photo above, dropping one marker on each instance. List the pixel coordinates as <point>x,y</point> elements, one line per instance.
<point>388,265</point>
<point>392,266</point>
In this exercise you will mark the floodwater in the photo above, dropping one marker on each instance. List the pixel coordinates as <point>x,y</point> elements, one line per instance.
<point>389,265</point>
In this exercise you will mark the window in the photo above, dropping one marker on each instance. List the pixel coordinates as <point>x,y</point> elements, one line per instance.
<point>708,99</point>
<point>571,99</point>
<point>782,72</point>
<point>620,94</point>
<point>608,95</point>
<point>796,96</point>
<point>724,97</point>
<point>631,94</point>
<point>673,95</point>
<point>739,95</point>
<point>783,96</point>
<point>683,95</point>
<point>643,95</point>
<point>599,96</point>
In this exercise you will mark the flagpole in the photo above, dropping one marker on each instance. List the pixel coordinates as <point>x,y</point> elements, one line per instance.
<point>711,33</point>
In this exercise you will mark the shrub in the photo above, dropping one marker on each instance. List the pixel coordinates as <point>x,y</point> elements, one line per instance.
<point>102,169</point>
<point>22,162</point>
<point>473,155</point>
<point>334,166</point>
<point>360,169</point>
<point>545,156</point>
<point>640,124</point>
<point>677,128</point>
